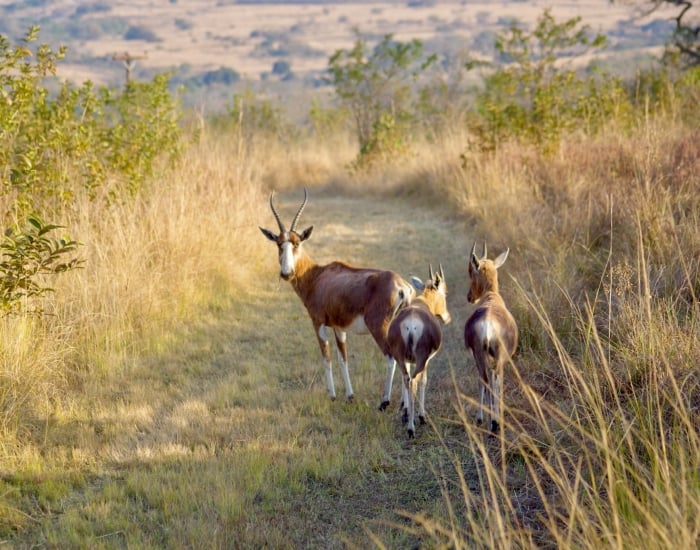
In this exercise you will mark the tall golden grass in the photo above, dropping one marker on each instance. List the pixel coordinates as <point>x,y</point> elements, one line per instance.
<point>173,395</point>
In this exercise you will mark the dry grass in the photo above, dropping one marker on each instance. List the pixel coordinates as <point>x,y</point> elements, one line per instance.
<point>175,396</point>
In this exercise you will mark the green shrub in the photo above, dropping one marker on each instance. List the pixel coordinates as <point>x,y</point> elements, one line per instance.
<point>26,255</point>
<point>377,87</point>
<point>253,115</point>
<point>532,97</point>
<point>52,147</point>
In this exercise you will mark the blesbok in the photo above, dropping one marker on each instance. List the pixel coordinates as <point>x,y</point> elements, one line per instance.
<point>341,297</point>
<point>490,332</point>
<point>415,337</point>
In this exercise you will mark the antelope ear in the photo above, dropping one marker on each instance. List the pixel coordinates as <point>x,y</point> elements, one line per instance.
<point>417,283</point>
<point>473,263</point>
<point>306,233</point>
<point>498,262</point>
<point>269,234</point>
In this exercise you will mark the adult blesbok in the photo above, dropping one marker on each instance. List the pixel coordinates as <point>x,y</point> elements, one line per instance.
<point>490,332</point>
<point>415,337</point>
<point>340,297</point>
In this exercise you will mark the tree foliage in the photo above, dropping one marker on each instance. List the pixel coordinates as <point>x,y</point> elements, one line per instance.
<point>26,255</point>
<point>376,86</point>
<point>55,145</point>
<point>533,96</point>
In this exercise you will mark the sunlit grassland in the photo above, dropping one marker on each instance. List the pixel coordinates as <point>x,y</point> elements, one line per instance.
<point>175,397</point>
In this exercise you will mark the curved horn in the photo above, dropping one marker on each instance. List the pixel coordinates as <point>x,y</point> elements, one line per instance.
<point>442,273</point>
<point>473,255</point>
<point>301,209</point>
<point>430,272</point>
<point>277,216</point>
<point>484,256</point>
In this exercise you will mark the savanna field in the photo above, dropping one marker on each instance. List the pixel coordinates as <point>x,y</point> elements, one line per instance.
<point>168,390</point>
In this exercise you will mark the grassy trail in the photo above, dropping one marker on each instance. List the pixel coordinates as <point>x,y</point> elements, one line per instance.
<point>224,435</point>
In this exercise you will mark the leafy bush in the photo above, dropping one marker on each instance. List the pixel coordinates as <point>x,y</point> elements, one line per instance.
<point>253,115</point>
<point>52,147</point>
<point>533,97</point>
<point>377,88</point>
<point>26,255</point>
<point>55,147</point>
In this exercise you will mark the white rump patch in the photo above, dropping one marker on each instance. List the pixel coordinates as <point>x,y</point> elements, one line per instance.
<point>412,326</point>
<point>485,331</point>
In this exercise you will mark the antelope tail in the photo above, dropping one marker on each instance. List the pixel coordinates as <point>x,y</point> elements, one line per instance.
<point>401,301</point>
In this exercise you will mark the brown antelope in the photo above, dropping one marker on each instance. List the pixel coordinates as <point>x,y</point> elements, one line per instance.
<point>341,297</point>
<point>490,332</point>
<point>415,337</point>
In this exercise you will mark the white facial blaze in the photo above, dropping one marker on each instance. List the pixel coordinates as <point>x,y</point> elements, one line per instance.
<point>287,258</point>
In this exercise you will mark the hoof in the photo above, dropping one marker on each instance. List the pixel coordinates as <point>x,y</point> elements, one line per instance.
<point>383,405</point>
<point>351,398</point>
<point>495,428</point>
<point>404,418</point>
<point>332,397</point>
<point>479,421</point>
<point>411,435</point>
<point>422,420</point>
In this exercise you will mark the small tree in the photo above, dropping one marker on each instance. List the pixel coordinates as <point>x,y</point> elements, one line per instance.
<point>377,88</point>
<point>531,95</point>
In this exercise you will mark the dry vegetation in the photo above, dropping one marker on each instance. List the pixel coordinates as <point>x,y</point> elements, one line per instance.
<point>174,397</point>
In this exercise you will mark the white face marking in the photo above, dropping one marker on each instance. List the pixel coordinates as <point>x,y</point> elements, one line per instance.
<point>287,258</point>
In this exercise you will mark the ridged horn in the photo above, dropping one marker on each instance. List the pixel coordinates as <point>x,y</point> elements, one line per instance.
<point>484,256</point>
<point>277,216</point>
<point>301,209</point>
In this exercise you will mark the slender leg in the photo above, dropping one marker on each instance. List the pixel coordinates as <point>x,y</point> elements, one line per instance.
<point>483,383</point>
<point>326,352</point>
<point>422,383</point>
<point>411,384</point>
<point>405,387</point>
<point>496,400</point>
<point>390,368</point>
<point>340,340</point>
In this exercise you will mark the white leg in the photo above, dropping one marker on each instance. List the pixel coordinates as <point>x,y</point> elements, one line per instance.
<point>410,406</point>
<point>422,383</point>
<point>326,352</point>
<point>390,368</point>
<point>346,375</point>
<point>340,340</point>
<point>404,390</point>
<point>329,378</point>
